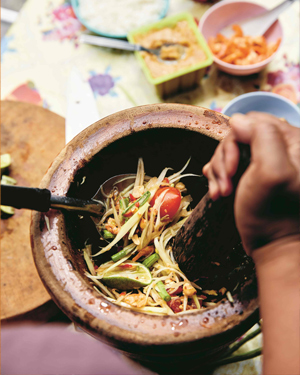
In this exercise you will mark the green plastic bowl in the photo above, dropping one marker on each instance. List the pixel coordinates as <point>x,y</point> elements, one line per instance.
<point>185,77</point>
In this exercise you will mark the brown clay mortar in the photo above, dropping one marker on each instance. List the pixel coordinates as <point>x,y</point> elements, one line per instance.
<point>61,267</point>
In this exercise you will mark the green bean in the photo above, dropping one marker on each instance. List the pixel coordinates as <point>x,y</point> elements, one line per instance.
<point>162,291</point>
<point>148,262</point>
<point>122,253</point>
<point>142,200</point>
<point>108,235</point>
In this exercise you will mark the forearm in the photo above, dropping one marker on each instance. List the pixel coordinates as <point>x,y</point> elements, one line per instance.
<point>278,272</point>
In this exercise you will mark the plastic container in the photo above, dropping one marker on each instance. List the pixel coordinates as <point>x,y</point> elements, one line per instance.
<point>267,102</point>
<point>185,78</point>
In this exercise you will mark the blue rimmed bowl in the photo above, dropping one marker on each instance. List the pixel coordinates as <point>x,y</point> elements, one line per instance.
<point>76,7</point>
<point>268,102</point>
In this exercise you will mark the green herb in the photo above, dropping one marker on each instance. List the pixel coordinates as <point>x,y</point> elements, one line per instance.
<point>162,291</point>
<point>142,200</point>
<point>148,262</point>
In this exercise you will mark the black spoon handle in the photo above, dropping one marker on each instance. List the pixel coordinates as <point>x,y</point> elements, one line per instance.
<point>24,197</point>
<point>41,199</point>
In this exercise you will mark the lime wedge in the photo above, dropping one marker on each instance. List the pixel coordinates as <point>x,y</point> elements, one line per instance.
<point>127,276</point>
<point>5,161</point>
<point>6,180</point>
<point>8,210</point>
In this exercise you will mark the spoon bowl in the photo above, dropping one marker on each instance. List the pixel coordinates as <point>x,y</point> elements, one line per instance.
<point>126,46</point>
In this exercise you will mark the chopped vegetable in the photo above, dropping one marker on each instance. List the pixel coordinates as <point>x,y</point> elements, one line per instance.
<point>5,161</point>
<point>108,235</point>
<point>142,200</point>
<point>148,262</point>
<point>121,254</point>
<point>162,291</point>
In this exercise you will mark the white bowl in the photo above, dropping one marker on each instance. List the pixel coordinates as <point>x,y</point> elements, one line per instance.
<point>267,102</point>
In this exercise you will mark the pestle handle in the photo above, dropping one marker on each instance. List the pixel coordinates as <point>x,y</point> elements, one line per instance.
<point>210,232</point>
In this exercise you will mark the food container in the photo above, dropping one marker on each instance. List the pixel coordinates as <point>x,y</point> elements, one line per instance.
<point>99,31</point>
<point>267,102</point>
<point>164,135</point>
<point>229,12</point>
<point>184,78</point>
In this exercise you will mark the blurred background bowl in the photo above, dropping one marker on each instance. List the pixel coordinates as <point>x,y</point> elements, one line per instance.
<point>228,12</point>
<point>268,102</point>
<point>98,31</point>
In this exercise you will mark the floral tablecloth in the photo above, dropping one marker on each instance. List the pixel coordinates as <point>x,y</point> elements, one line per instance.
<point>40,49</point>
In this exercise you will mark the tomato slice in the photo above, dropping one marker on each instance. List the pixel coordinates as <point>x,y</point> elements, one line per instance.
<point>171,201</point>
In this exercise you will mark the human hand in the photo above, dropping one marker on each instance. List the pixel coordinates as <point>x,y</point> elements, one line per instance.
<point>267,196</point>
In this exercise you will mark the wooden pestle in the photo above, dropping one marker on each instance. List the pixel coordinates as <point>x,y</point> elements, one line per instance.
<point>209,235</point>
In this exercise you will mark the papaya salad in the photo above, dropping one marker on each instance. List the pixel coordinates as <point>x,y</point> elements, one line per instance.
<point>138,225</point>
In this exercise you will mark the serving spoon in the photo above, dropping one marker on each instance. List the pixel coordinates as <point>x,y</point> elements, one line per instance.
<point>258,25</point>
<point>42,199</point>
<point>126,46</point>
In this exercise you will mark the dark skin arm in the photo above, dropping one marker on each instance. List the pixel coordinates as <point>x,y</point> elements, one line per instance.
<point>267,208</point>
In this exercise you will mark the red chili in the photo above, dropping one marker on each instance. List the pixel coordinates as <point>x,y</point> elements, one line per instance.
<point>137,204</point>
<point>131,197</point>
<point>126,266</point>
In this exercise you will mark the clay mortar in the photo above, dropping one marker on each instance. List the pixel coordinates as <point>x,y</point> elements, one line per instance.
<point>164,135</point>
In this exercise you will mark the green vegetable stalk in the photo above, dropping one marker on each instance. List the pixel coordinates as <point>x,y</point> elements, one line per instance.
<point>142,200</point>
<point>122,253</point>
<point>108,235</point>
<point>148,262</point>
<point>162,291</point>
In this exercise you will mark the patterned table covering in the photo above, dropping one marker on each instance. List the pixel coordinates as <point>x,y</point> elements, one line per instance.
<point>40,49</point>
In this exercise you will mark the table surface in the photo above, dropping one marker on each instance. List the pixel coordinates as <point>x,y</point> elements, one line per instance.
<point>40,49</point>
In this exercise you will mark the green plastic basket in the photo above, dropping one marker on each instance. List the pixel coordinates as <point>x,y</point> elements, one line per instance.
<point>171,22</point>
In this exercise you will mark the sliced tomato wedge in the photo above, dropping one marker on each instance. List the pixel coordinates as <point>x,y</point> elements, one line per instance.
<point>171,201</point>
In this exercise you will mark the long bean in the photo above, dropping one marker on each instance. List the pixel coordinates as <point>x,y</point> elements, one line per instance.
<point>148,262</point>
<point>122,253</point>
<point>142,200</point>
<point>162,291</point>
<point>108,235</point>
